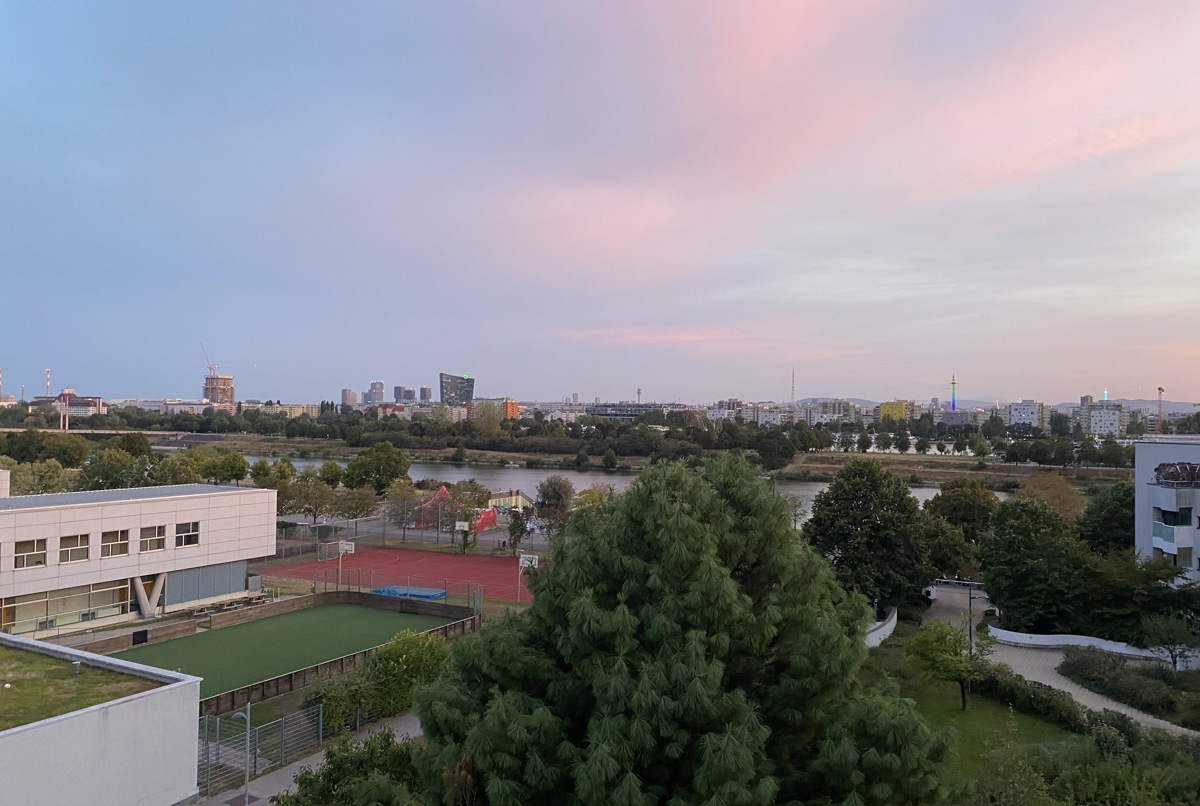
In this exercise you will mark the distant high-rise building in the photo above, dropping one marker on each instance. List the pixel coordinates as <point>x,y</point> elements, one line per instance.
<point>511,410</point>
<point>398,393</point>
<point>218,390</point>
<point>374,393</point>
<point>409,394</point>
<point>349,397</point>
<point>575,398</point>
<point>1086,400</point>
<point>426,394</point>
<point>456,390</point>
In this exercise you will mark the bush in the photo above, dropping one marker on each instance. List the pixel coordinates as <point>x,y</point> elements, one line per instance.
<point>1189,715</point>
<point>383,686</point>
<point>1141,692</point>
<point>1036,699</point>
<point>1146,687</point>
<point>1091,665</point>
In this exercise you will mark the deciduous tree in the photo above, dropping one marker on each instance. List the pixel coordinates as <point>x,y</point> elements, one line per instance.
<point>1107,521</point>
<point>865,524</point>
<point>967,504</point>
<point>379,467</point>
<point>944,652</point>
<point>1033,567</point>
<point>1056,491</point>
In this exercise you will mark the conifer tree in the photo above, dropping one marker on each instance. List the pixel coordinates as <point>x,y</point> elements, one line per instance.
<point>683,647</point>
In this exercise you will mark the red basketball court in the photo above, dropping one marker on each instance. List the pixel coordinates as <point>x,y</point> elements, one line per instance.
<point>382,566</point>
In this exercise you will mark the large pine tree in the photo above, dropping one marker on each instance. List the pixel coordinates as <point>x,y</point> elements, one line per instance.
<point>683,647</point>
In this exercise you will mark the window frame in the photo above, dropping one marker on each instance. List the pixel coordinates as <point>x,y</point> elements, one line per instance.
<point>187,534</point>
<point>107,546</point>
<point>20,560</point>
<point>70,554</point>
<point>158,535</point>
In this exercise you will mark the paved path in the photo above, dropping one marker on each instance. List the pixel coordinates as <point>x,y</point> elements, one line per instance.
<point>1038,665</point>
<point>280,780</point>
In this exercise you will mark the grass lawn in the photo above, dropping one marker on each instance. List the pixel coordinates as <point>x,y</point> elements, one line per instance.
<point>233,657</point>
<point>941,706</point>
<point>40,686</point>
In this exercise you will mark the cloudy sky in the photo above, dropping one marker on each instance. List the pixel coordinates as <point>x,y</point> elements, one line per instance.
<point>687,197</point>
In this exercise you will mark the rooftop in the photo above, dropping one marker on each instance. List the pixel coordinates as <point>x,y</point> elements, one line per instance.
<point>34,686</point>
<point>110,496</point>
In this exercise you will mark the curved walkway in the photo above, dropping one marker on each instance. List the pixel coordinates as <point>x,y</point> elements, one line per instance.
<point>1038,665</point>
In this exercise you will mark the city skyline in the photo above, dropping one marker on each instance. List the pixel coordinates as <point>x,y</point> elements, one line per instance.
<point>686,198</point>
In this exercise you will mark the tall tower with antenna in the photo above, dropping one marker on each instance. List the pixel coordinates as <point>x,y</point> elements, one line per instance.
<point>47,383</point>
<point>639,395</point>
<point>953,393</point>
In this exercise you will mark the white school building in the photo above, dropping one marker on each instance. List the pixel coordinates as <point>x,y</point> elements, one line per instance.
<point>90,559</point>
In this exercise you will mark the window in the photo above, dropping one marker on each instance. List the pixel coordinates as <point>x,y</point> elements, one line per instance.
<point>73,549</point>
<point>114,544</point>
<point>187,534</point>
<point>153,538</point>
<point>29,553</point>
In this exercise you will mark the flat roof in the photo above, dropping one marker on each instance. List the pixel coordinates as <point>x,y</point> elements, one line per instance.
<point>111,496</point>
<point>39,686</point>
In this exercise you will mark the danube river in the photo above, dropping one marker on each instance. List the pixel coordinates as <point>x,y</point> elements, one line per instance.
<point>497,478</point>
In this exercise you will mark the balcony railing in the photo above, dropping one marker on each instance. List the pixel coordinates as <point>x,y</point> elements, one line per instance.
<point>1164,532</point>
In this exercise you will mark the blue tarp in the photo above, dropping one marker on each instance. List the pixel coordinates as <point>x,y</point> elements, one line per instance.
<point>406,592</point>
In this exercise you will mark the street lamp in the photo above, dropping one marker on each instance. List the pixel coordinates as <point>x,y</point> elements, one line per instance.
<point>246,786</point>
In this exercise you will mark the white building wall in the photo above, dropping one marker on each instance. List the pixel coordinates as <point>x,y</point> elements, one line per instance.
<point>136,751</point>
<point>235,524</point>
<point>1178,543</point>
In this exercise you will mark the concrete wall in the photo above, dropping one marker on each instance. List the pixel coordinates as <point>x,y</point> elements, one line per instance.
<point>880,631</point>
<point>155,633</point>
<point>235,524</point>
<point>1060,641</point>
<point>138,750</point>
<point>414,606</point>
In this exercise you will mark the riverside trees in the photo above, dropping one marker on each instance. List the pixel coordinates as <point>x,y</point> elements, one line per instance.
<point>682,647</point>
<point>867,525</point>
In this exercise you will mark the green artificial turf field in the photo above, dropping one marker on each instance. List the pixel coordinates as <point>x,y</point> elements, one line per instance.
<point>232,657</point>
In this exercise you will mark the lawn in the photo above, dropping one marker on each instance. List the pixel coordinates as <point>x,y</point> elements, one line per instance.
<point>233,657</point>
<point>34,686</point>
<point>939,703</point>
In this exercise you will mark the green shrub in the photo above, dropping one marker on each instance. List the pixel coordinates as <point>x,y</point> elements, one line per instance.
<point>1037,699</point>
<point>1085,664</point>
<point>1189,714</point>
<point>1141,692</point>
<point>383,686</point>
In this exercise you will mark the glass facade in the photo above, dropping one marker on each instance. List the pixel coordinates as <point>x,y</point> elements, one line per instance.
<point>457,390</point>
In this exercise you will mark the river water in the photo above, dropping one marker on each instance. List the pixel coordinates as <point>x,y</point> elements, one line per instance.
<point>497,478</point>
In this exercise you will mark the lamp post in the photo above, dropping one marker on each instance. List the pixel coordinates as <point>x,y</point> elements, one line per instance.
<point>246,786</point>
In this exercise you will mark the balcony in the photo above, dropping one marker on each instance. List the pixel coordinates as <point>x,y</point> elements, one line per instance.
<point>1164,532</point>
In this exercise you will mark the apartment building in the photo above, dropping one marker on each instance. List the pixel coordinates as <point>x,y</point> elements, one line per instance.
<point>1167,499</point>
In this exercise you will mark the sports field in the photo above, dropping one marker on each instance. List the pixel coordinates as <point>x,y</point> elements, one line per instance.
<point>232,657</point>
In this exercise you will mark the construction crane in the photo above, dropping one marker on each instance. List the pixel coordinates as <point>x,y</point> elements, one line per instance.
<point>1162,425</point>
<point>212,368</point>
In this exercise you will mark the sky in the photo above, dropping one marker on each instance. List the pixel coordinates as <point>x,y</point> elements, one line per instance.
<point>690,198</point>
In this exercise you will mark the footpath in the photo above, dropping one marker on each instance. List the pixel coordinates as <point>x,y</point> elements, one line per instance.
<point>280,780</point>
<point>1037,665</point>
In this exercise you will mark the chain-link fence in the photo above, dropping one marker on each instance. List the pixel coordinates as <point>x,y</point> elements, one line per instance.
<point>294,538</point>
<point>224,752</point>
<point>384,582</point>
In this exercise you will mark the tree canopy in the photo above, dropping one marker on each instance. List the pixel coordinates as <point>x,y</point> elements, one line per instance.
<point>683,647</point>
<point>379,468</point>
<point>967,504</point>
<point>1107,523</point>
<point>1033,567</point>
<point>866,525</point>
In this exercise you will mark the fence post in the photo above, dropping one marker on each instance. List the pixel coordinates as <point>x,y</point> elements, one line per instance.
<point>320,724</point>
<point>282,740</point>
